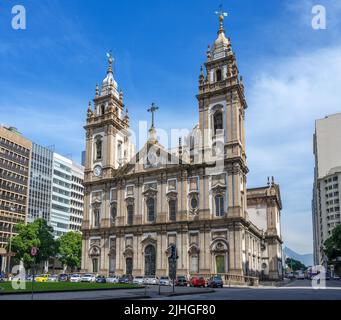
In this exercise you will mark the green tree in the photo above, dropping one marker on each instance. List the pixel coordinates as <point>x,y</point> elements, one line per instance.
<point>37,234</point>
<point>295,264</point>
<point>333,244</point>
<point>70,249</point>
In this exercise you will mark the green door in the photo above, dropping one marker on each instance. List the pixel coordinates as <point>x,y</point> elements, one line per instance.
<point>220,263</point>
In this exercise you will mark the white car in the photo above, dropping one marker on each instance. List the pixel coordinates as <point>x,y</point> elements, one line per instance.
<point>52,278</point>
<point>151,280</point>
<point>112,279</point>
<point>139,280</point>
<point>165,281</point>
<point>88,278</point>
<point>75,278</point>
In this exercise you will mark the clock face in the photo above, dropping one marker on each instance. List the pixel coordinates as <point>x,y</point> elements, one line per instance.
<point>97,171</point>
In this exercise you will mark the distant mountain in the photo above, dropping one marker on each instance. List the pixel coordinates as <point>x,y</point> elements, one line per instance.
<point>306,259</point>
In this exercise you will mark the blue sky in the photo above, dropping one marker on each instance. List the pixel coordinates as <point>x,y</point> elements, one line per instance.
<point>292,75</point>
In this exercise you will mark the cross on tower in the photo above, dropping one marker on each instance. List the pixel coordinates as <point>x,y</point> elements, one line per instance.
<point>221,12</point>
<point>152,110</point>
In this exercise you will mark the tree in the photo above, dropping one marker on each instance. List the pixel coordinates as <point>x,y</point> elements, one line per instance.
<point>37,234</point>
<point>333,244</point>
<point>70,249</point>
<point>295,264</point>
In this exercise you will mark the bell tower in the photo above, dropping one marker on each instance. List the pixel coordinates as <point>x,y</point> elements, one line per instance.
<point>222,108</point>
<point>108,146</point>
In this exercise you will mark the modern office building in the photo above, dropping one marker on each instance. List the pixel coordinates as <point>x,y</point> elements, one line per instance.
<point>40,183</point>
<point>67,195</point>
<point>77,197</point>
<point>327,177</point>
<point>61,194</point>
<point>15,154</point>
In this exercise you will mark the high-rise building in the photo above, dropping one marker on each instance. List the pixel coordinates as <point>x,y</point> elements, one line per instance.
<point>67,195</point>
<point>15,154</point>
<point>40,183</point>
<point>77,197</point>
<point>327,178</point>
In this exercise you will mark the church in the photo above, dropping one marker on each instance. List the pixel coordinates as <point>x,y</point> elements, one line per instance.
<point>137,205</point>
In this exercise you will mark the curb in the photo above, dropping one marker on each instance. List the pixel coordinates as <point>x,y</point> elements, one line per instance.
<point>62,291</point>
<point>188,293</point>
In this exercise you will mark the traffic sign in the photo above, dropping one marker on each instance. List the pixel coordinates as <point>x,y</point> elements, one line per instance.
<point>34,251</point>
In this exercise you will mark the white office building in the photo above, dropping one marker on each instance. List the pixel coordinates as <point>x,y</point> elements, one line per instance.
<point>326,194</point>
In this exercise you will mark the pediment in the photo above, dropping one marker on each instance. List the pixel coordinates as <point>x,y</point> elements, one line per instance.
<point>153,156</point>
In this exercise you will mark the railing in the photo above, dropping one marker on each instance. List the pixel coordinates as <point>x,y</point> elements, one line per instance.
<point>230,279</point>
<point>14,149</point>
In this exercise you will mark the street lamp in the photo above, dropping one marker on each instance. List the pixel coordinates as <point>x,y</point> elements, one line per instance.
<point>12,209</point>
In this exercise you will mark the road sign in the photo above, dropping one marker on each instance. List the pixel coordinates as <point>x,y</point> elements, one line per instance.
<point>34,251</point>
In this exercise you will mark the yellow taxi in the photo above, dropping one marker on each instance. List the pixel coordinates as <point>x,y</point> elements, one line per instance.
<point>42,278</point>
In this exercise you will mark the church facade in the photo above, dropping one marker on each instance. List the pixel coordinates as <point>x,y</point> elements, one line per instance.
<point>139,204</point>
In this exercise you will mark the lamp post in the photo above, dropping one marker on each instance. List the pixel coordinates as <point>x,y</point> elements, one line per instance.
<point>12,209</point>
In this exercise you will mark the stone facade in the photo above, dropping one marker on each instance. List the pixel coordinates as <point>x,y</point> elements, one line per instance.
<point>138,205</point>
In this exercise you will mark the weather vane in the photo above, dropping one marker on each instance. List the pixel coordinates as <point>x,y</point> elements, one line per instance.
<point>152,110</point>
<point>221,12</point>
<point>111,60</point>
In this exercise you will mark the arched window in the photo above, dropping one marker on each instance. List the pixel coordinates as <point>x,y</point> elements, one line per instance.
<point>102,109</point>
<point>113,211</point>
<point>195,263</point>
<point>218,75</point>
<point>98,149</point>
<point>172,210</point>
<point>219,206</point>
<point>96,217</point>
<point>130,210</point>
<point>151,209</point>
<point>119,152</point>
<point>218,121</point>
<point>194,203</point>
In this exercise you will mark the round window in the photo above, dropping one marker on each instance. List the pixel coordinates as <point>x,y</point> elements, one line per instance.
<point>194,203</point>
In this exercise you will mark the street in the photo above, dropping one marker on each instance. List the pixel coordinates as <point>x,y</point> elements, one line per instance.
<point>295,290</point>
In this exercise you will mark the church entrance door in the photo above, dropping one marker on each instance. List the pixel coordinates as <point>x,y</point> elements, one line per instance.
<point>129,266</point>
<point>220,264</point>
<point>150,261</point>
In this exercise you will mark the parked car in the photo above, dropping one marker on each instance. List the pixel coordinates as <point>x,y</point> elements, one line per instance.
<point>30,277</point>
<point>336,277</point>
<point>75,278</point>
<point>112,279</point>
<point>42,278</point>
<point>181,281</point>
<point>198,282</point>
<point>139,280</point>
<point>165,281</point>
<point>126,278</point>
<point>101,279</point>
<point>88,278</point>
<point>151,280</point>
<point>215,282</point>
<point>2,277</point>
<point>63,277</point>
<point>52,278</point>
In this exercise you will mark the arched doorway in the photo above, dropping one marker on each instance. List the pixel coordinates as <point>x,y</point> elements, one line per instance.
<point>95,265</point>
<point>150,261</point>
<point>129,265</point>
